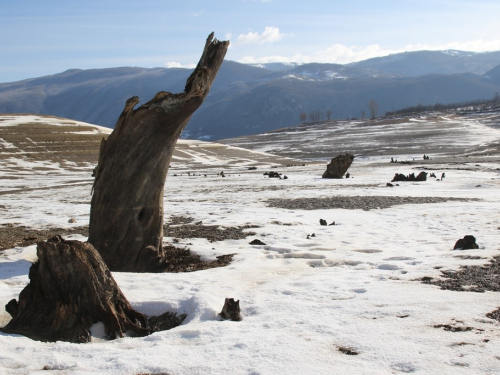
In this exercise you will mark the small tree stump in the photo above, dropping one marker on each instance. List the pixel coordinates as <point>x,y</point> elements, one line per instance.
<point>466,243</point>
<point>231,310</point>
<point>70,289</point>
<point>338,166</point>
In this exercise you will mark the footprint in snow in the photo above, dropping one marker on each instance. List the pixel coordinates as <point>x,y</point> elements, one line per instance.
<point>388,267</point>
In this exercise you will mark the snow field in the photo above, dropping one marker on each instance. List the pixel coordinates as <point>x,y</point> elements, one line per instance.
<point>354,285</point>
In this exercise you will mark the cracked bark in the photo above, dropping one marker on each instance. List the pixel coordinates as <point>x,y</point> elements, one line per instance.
<point>126,215</point>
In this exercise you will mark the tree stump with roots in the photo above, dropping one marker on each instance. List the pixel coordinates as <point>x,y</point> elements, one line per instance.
<point>70,289</point>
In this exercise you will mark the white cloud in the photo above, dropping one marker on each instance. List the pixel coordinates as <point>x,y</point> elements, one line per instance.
<point>480,45</point>
<point>341,54</point>
<point>197,14</point>
<point>175,64</point>
<point>270,34</point>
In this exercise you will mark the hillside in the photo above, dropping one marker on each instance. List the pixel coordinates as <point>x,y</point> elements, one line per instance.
<point>438,134</point>
<point>249,100</point>
<point>420,63</point>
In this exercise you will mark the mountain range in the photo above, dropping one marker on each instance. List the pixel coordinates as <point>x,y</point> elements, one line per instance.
<point>248,99</point>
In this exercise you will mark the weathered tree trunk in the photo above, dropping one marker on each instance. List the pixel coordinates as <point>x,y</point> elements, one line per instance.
<point>70,289</point>
<point>126,215</point>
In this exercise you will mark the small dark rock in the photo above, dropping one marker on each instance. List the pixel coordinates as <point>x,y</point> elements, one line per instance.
<point>450,328</point>
<point>466,243</point>
<point>257,242</point>
<point>322,222</point>
<point>422,176</point>
<point>348,351</point>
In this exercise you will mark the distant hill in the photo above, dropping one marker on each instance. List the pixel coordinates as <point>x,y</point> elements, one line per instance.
<point>248,99</point>
<point>420,63</point>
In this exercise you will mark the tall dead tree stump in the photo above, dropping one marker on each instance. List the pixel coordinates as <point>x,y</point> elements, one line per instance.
<point>126,215</point>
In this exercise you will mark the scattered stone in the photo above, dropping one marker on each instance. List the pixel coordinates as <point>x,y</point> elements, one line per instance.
<point>389,184</point>
<point>252,168</point>
<point>285,177</point>
<point>466,243</point>
<point>273,174</point>
<point>72,220</point>
<point>257,242</point>
<point>322,222</point>
<point>231,310</point>
<point>494,314</point>
<point>346,350</point>
<point>176,220</point>
<point>450,328</point>
<point>470,278</point>
<point>338,166</point>
<point>332,223</point>
<point>422,176</point>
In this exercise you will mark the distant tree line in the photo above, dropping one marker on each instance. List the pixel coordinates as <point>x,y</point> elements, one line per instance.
<point>317,116</point>
<point>473,105</point>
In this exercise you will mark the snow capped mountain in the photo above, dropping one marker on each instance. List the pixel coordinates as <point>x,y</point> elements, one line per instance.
<point>248,99</point>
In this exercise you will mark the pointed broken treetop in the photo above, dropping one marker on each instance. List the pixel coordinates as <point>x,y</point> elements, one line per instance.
<point>126,214</point>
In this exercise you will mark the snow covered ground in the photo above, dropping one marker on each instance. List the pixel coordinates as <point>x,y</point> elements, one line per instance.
<point>306,302</point>
<point>437,134</point>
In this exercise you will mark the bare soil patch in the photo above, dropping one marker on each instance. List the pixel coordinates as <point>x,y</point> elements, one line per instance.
<point>181,227</point>
<point>177,259</point>
<point>183,260</point>
<point>365,203</point>
<point>470,278</point>
<point>12,236</point>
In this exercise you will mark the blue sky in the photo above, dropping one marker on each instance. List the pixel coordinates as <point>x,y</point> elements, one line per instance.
<point>42,37</point>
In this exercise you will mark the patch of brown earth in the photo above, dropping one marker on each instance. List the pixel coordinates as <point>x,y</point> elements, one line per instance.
<point>20,236</point>
<point>365,203</point>
<point>183,260</point>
